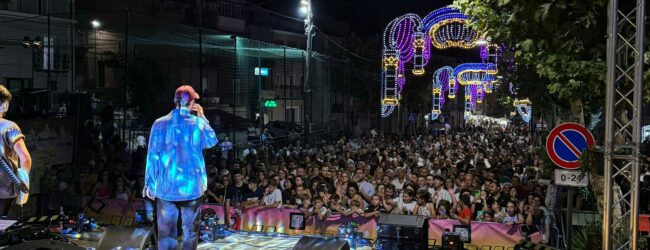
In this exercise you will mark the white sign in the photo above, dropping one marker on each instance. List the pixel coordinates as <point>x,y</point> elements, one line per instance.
<point>574,178</point>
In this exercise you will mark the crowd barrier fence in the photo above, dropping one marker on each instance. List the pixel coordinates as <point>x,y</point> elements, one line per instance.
<point>276,220</point>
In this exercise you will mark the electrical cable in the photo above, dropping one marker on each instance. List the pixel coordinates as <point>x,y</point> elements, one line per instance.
<point>341,47</point>
<point>274,12</point>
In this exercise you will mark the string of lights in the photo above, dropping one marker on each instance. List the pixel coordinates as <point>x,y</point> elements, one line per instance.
<point>408,40</point>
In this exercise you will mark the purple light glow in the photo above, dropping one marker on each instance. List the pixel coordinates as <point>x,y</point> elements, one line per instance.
<point>473,91</point>
<point>427,49</point>
<point>484,53</point>
<point>405,37</point>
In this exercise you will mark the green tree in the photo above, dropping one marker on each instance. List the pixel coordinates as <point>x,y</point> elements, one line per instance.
<point>558,47</point>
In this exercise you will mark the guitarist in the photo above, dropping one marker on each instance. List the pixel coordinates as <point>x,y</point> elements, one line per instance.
<point>14,153</point>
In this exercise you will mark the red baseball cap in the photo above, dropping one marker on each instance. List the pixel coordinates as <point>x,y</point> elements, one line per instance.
<point>186,89</point>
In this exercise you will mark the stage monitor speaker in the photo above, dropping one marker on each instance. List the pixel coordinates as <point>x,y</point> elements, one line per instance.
<point>451,241</point>
<point>320,243</point>
<point>44,245</point>
<point>124,238</point>
<point>396,244</point>
<point>397,231</point>
<point>406,227</point>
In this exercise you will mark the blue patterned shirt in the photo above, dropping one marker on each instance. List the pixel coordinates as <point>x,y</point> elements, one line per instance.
<point>175,165</point>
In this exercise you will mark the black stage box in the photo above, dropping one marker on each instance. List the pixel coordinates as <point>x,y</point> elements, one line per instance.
<point>396,231</point>
<point>320,243</point>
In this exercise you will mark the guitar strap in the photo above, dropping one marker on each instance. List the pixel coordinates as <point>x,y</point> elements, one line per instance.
<point>9,170</point>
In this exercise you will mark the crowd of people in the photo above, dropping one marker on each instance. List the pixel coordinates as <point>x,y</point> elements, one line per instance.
<point>481,174</point>
<point>106,169</point>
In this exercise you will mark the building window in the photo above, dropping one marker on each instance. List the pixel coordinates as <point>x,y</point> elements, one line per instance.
<point>290,114</point>
<point>14,84</point>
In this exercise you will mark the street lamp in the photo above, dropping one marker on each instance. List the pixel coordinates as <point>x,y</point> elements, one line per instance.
<point>35,45</point>
<point>305,8</point>
<point>95,23</point>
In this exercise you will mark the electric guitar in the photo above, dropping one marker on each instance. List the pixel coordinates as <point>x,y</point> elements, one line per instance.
<point>22,177</point>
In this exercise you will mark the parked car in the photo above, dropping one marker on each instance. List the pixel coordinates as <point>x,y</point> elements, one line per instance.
<point>279,129</point>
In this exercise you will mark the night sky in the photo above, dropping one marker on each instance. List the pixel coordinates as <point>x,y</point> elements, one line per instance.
<point>365,17</point>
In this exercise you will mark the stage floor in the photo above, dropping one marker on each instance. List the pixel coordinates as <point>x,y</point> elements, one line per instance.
<point>256,240</point>
<point>252,240</point>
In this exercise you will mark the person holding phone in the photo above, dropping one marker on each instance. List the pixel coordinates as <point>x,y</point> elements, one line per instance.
<point>175,175</point>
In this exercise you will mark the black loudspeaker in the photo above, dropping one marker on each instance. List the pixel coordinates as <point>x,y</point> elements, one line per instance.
<point>45,245</point>
<point>403,231</point>
<point>125,238</point>
<point>320,243</point>
<point>451,241</point>
<point>395,244</point>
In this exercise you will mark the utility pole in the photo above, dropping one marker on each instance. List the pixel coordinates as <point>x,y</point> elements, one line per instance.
<point>305,8</point>
<point>126,72</point>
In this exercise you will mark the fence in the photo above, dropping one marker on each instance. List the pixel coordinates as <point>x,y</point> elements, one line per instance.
<point>277,220</point>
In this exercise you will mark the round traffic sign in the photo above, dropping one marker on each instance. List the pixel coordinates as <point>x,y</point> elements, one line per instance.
<point>566,142</point>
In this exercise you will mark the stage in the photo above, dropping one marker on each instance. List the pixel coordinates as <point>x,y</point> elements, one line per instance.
<point>258,240</point>
<point>251,240</point>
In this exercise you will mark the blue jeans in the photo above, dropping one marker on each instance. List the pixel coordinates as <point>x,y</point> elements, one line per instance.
<point>168,212</point>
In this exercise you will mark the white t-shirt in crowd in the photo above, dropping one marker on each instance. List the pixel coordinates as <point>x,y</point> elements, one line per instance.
<point>442,195</point>
<point>402,206</point>
<point>399,185</point>
<point>273,198</point>
<point>323,211</point>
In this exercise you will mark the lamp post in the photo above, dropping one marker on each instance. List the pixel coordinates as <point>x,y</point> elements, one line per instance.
<point>35,45</point>
<point>305,9</point>
<point>96,25</point>
<point>426,122</point>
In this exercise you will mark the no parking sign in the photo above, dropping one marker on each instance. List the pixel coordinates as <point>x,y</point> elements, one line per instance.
<point>566,142</point>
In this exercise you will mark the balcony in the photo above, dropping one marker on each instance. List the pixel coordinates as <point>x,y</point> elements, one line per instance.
<point>55,8</point>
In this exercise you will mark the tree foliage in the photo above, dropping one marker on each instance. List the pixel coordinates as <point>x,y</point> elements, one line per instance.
<point>559,47</point>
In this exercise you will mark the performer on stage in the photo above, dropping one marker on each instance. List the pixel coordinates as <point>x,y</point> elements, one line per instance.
<point>14,154</point>
<point>175,173</point>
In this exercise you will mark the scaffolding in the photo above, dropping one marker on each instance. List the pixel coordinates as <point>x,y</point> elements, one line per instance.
<point>623,123</point>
